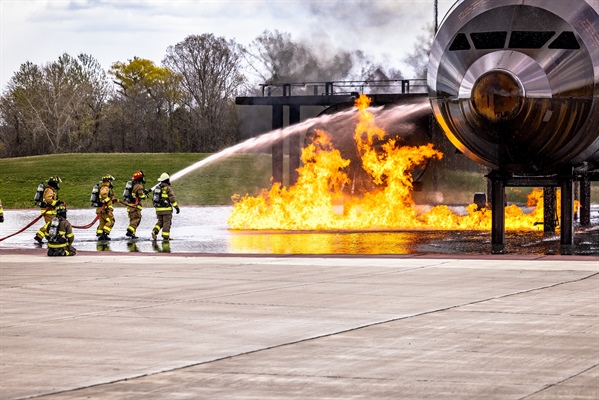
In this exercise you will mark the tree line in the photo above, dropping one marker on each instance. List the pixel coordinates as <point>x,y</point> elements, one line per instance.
<point>186,104</point>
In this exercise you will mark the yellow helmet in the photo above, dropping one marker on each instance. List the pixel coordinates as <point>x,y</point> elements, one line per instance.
<point>164,177</point>
<point>107,178</point>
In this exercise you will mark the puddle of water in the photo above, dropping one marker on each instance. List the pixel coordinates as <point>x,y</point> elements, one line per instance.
<point>205,230</point>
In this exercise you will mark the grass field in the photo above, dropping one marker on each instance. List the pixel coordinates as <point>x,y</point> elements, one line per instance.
<point>213,184</point>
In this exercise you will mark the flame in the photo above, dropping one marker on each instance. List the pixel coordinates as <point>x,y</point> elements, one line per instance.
<point>320,200</point>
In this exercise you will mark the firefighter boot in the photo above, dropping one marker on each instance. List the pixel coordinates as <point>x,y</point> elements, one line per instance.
<point>103,236</point>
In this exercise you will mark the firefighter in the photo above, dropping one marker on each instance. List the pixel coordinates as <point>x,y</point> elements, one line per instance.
<point>133,198</point>
<point>1,212</point>
<point>48,204</point>
<point>164,202</point>
<point>106,209</point>
<point>60,234</point>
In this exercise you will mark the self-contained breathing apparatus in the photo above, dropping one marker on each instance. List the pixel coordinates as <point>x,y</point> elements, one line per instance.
<point>95,196</point>
<point>157,197</point>
<point>55,238</point>
<point>128,193</point>
<point>39,196</point>
<point>53,230</point>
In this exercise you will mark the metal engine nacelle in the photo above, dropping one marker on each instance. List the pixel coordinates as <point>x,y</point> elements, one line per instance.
<point>515,83</point>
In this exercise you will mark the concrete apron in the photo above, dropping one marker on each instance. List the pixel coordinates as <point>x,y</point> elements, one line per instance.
<point>209,327</point>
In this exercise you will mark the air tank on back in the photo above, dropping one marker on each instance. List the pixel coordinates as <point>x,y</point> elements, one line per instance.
<point>515,83</point>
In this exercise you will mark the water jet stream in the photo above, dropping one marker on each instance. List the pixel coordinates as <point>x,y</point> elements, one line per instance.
<point>401,111</point>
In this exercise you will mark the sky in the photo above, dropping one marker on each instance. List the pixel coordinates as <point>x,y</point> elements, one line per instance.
<point>40,31</point>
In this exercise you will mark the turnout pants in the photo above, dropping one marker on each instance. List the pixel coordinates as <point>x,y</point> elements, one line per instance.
<point>106,222</point>
<point>42,232</point>
<point>165,219</point>
<point>62,251</point>
<point>134,219</point>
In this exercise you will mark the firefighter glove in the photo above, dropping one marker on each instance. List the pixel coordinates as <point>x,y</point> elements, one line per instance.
<point>177,208</point>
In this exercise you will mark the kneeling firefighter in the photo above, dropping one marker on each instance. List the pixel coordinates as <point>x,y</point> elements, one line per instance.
<point>106,197</point>
<point>60,234</point>
<point>164,202</point>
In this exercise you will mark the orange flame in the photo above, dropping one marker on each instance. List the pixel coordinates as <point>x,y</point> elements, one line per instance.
<point>318,200</point>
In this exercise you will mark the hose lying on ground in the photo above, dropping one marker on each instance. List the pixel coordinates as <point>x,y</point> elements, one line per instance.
<point>26,226</point>
<point>42,214</point>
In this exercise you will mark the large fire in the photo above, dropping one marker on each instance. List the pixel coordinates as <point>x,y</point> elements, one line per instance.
<point>320,199</point>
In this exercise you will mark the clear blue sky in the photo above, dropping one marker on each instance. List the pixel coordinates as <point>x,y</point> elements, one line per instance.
<point>40,31</point>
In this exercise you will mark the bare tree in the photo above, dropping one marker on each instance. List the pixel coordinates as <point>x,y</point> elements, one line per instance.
<point>276,58</point>
<point>18,135</point>
<point>92,81</point>
<point>211,77</point>
<point>54,108</point>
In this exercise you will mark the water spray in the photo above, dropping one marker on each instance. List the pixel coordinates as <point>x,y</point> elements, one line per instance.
<point>283,133</point>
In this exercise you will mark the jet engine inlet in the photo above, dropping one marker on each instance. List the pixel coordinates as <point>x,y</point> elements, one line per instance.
<point>497,96</point>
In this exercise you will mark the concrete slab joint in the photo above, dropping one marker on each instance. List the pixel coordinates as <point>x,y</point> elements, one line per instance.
<point>299,327</point>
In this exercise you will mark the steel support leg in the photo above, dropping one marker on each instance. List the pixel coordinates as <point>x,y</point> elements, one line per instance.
<point>294,146</point>
<point>576,192</point>
<point>585,201</point>
<point>498,212</point>
<point>489,191</point>
<point>277,147</point>
<point>549,210</point>
<point>567,220</point>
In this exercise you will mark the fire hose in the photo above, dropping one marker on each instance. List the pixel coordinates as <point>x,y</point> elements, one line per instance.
<point>98,214</point>
<point>26,226</point>
<point>74,226</point>
<point>90,224</point>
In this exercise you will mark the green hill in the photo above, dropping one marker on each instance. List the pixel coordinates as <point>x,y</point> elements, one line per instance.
<point>213,184</point>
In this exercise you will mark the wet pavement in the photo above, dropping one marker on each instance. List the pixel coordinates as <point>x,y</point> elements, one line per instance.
<point>204,230</point>
<point>121,326</point>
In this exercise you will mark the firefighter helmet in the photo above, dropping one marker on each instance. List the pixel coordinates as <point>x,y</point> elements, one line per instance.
<point>164,177</point>
<point>54,181</point>
<point>61,210</point>
<point>138,176</point>
<point>107,178</point>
